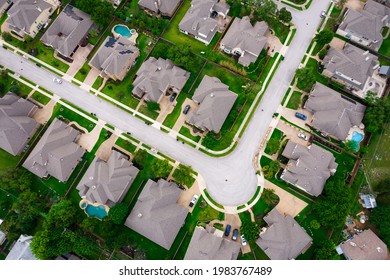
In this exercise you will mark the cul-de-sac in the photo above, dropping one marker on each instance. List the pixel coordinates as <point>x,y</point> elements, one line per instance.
<point>194,129</point>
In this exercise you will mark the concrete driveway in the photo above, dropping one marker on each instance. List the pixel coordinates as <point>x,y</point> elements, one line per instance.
<point>291,132</point>
<point>44,114</point>
<point>91,77</point>
<point>182,118</point>
<point>166,107</point>
<point>79,58</point>
<point>289,114</point>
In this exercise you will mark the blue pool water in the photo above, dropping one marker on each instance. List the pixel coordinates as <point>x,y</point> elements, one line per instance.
<point>123,31</point>
<point>356,139</point>
<point>84,205</point>
<point>96,211</point>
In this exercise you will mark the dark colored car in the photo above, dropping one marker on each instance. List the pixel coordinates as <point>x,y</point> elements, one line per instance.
<point>301,116</point>
<point>173,96</point>
<point>235,235</point>
<point>227,230</point>
<point>186,109</point>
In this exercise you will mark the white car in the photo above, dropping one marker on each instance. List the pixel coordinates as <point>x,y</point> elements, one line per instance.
<point>302,136</point>
<point>243,240</point>
<point>57,80</point>
<point>193,200</point>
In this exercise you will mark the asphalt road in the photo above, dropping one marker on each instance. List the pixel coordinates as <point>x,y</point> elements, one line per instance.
<point>230,180</point>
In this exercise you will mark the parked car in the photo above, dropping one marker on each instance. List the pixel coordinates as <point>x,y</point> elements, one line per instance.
<point>173,96</point>
<point>323,14</point>
<point>243,240</point>
<point>227,230</point>
<point>235,235</point>
<point>57,80</point>
<point>300,116</point>
<point>186,109</point>
<point>193,200</point>
<point>302,136</point>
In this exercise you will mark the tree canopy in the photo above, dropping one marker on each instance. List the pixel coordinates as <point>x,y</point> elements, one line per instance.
<point>324,37</point>
<point>250,229</point>
<point>326,250</point>
<point>377,113</point>
<point>160,168</point>
<point>118,213</point>
<point>381,219</point>
<point>183,175</point>
<point>61,215</point>
<point>101,11</point>
<point>284,15</point>
<point>306,78</point>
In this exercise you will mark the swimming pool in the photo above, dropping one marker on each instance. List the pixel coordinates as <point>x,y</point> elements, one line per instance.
<point>123,30</point>
<point>356,139</point>
<point>96,211</point>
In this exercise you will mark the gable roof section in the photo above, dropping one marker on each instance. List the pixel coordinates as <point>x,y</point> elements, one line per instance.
<point>308,167</point>
<point>216,101</point>
<point>248,38</point>
<point>56,153</point>
<point>155,76</point>
<point>167,7</point>
<point>114,55</point>
<point>352,62</point>
<point>156,215</point>
<point>66,32</point>
<point>205,245</point>
<point>284,238</point>
<point>21,249</point>
<point>107,182</point>
<point>365,246</point>
<point>16,124</point>
<point>334,113</point>
<point>24,13</point>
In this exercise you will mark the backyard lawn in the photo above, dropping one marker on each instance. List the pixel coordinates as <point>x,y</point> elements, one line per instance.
<point>7,160</point>
<point>385,50</point>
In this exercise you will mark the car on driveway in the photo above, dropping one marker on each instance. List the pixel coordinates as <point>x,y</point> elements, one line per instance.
<point>302,136</point>
<point>193,200</point>
<point>57,80</point>
<point>173,96</point>
<point>227,230</point>
<point>235,235</point>
<point>300,116</point>
<point>186,109</point>
<point>243,240</point>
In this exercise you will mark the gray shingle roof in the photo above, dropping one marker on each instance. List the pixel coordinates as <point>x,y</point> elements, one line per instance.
<point>351,64</point>
<point>367,23</point>
<point>107,182</point>
<point>198,21</point>
<point>24,13</point>
<point>4,4</point>
<point>16,124</point>
<point>156,215</point>
<point>21,249</point>
<point>114,56</point>
<point>249,39</point>
<point>66,32</point>
<point>365,246</point>
<point>155,76</point>
<point>284,238</point>
<point>216,101</point>
<point>56,153</point>
<point>166,7</point>
<point>334,113</point>
<point>308,167</point>
<point>205,245</point>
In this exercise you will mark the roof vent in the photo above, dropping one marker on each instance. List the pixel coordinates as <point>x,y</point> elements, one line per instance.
<point>93,187</point>
<point>139,215</point>
<point>212,94</point>
<point>379,249</point>
<point>352,244</point>
<point>366,53</point>
<point>91,178</point>
<point>367,58</point>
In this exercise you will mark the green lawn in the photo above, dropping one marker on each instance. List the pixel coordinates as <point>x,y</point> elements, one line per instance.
<point>385,50</point>
<point>98,82</point>
<point>295,100</point>
<point>314,66</point>
<point>7,160</point>
<point>83,72</point>
<point>10,84</point>
<point>126,145</point>
<point>185,131</point>
<point>61,111</point>
<point>276,134</point>
<point>147,112</point>
<point>43,99</point>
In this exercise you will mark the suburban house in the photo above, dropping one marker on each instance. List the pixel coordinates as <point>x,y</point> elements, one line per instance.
<point>2,237</point>
<point>107,182</point>
<point>208,244</point>
<point>56,154</point>
<point>27,17</point>
<point>115,57</point>
<point>216,101</point>
<point>334,114</point>
<point>365,27</point>
<point>164,7</point>
<point>364,246</point>
<point>158,77</point>
<point>156,214</point>
<point>68,32</point>
<point>308,168</point>
<point>16,124</point>
<point>244,40</point>
<point>21,249</point>
<point>4,6</point>
<point>284,238</point>
<point>201,20</point>
<point>356,69</point>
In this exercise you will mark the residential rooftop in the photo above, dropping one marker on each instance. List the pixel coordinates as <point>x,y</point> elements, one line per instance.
<point>21,249</point>
<point>165,7</point>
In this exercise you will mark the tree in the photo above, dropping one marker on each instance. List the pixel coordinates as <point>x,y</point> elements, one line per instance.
<point>16,180</point>
<point>118,213</point>
<point>284,15</point>
<point>250,229</point>
<point>183,175</point>
<point>326,250</point>
<point>324,37</point>
<point>271,169</point>
<point>160,168</point>
<point>314,224</point>
<point>306,78</point>
<point>140,157</point>
<point>273,146</point>
<point>381,219</point>
<point>350,146</point>
<point>383,191</point>
<point>270,197</point>
<point>101,11</point>
<point>84,246</point>
<point>376,114</point>
<point>61,215</point>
